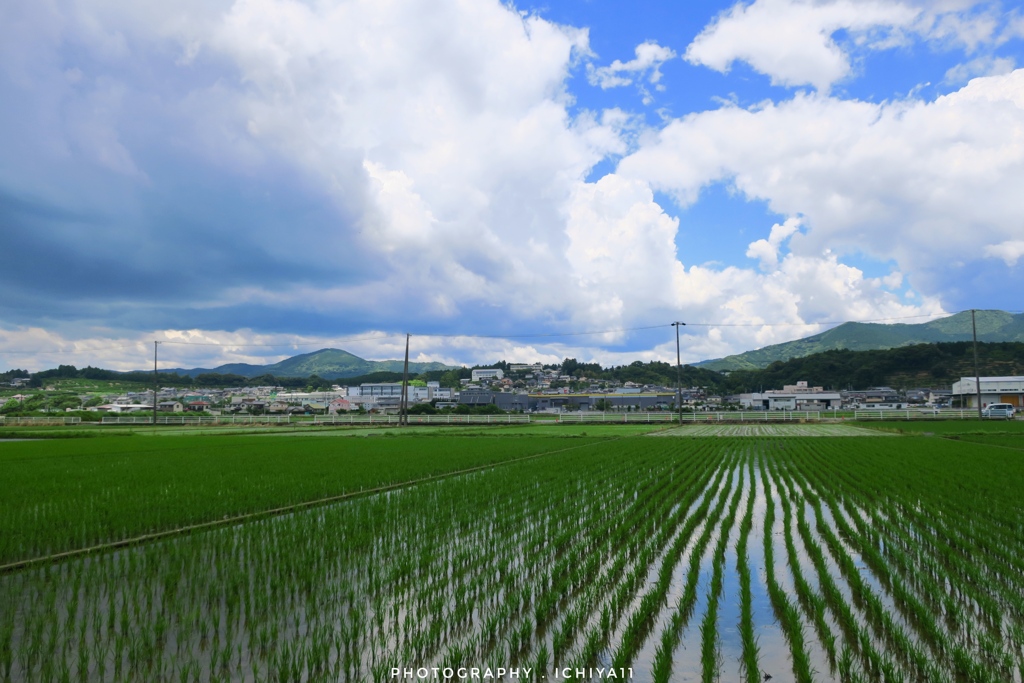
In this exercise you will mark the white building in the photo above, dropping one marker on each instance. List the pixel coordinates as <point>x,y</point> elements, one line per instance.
<point>993,390</point>
<point>792,400</point>
<point>487,373</point>
<point>297,396</point>
<point>523,367</point>
<point>376,389</point>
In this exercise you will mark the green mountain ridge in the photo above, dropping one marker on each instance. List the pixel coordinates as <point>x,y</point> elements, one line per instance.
<point>993,326</point>
<point>326,363</point>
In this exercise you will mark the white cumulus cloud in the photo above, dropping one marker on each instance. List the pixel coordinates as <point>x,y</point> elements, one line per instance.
<point>923,184</point>
<point>794,41</point>
<point>1009,251</point>
<point>645,66</point>
<point>420,163</point>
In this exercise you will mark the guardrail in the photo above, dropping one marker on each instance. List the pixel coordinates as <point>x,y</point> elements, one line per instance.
<point>37,421</point>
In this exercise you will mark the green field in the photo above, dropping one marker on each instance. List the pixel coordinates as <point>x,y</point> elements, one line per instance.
<point>73,493</point>
<point>949,427</point>
<point>713,557</point>
<point>781,430</point>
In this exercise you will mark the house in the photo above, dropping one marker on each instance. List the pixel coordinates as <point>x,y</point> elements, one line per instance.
<point>198,406</point>
<point>340,405</point>
<point>169,407</point>
<point>277,407</point>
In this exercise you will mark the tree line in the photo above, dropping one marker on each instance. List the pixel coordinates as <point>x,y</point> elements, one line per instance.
<point>919,365</point>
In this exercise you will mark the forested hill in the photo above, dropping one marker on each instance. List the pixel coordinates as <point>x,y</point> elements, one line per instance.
<point>921,365</point>
<point>326,363</point>
<point>993,326</point>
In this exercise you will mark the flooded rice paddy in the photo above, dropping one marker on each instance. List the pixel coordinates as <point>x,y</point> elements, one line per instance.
<point>720,559</point>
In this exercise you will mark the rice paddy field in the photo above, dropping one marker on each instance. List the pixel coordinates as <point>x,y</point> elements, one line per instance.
<point>523,553</point>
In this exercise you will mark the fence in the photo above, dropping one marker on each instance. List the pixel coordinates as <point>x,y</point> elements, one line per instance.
<point>757,416</point>
<point>563,418</point>
<point>38,421</point>
<point>575,418</point>
<point>920,414</point>
<point>512,418</point>
<point>204,420</point>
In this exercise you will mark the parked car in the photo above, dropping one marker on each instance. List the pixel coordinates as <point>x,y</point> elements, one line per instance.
<point>1005,410</point>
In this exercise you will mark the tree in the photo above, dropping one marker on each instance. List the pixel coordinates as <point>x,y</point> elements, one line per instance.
<point>450,379</point>
<point>318,383</point>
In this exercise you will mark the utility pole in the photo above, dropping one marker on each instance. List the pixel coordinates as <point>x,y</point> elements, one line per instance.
<point>403,414</point>
<point>977,374</point>
<point>679,375</point>
<point>156,381</point>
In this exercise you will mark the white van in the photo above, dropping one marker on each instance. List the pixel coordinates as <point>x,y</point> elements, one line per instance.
<point>999,410</point>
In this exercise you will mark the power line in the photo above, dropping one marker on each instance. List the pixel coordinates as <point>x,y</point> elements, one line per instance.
<point>136,345</point>
<point>534,335</point>
<point>539,334</point>
<point>291,344</point>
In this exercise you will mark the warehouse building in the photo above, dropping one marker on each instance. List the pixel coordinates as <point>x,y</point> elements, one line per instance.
<point>993,390</point>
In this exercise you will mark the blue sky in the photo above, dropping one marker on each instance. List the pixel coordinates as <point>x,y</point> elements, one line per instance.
<point>267,177</point>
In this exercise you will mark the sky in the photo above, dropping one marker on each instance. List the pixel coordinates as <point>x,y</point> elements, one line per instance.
<point>245,180</point>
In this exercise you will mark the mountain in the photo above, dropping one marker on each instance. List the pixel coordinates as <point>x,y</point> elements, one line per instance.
<point>993,326</point>
<point>327,363</point>
<point>904,367</point>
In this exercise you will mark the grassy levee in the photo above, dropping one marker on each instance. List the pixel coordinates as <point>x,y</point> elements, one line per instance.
<point>1014,441</point>
<point>70,494</point>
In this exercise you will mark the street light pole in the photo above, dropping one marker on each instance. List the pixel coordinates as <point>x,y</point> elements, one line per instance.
<point>977,373</point>
<point>679,375</point>
<point>403,409</point>
<point>156,381</point>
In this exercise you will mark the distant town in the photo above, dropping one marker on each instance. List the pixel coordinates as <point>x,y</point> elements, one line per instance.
<point>524,388</point>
